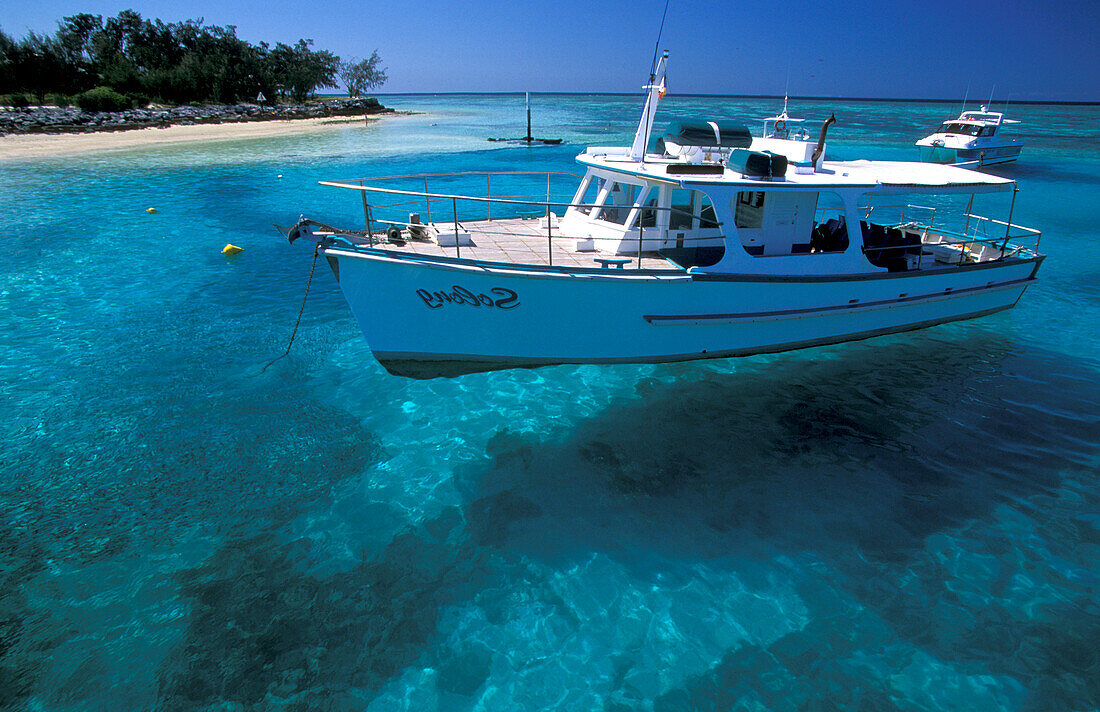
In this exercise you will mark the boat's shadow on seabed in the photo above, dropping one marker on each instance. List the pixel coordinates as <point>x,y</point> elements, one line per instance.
<point>874,450</point>
<point>870,452</point>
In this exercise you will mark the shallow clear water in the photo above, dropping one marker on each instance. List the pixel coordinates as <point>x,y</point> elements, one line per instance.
<point>909,522</point>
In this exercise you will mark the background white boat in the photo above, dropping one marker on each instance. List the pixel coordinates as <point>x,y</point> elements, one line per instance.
<point>975,137</point>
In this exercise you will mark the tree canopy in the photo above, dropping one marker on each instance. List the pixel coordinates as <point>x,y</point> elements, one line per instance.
<point>175,62</point>
<point>362,75</point>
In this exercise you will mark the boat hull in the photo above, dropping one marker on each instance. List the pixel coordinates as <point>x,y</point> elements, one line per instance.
<point>988,156</point>
<point>429,318</point>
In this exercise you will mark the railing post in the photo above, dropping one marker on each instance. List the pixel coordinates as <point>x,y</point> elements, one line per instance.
<point>489,196</point>
<point>427,200</point>
<point>370,228</point>
<point>969,207</point>
<point>549,236</point>
<point>1008,227</point>
<point>458,249</point>
<point>641,234</point>
<point>367,216</point>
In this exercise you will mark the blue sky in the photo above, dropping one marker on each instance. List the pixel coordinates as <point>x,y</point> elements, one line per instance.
<point>873,48</point>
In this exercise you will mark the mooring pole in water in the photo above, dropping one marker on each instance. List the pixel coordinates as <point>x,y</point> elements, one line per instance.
<point>527,100</point>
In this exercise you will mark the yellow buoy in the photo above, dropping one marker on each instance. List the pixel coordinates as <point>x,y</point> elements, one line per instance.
<point>231,250</point>
<point>150,210</point>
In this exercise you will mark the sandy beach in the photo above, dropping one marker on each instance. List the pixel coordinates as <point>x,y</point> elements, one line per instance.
<point>16,146</point>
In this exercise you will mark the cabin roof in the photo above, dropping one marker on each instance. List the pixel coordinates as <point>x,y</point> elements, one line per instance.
<point>877,176</point>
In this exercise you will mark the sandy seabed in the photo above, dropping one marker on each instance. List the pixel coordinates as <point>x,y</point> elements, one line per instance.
<point>15,146</point>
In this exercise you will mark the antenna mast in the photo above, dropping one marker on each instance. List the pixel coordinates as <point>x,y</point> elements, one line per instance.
<point>657,44</point>
<point>655,90</point>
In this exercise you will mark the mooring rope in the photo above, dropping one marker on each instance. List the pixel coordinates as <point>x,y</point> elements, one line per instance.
<point>316,252</point>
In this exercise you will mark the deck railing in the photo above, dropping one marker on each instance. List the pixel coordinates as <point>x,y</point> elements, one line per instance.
<point>998,237</point>
<point>875,212</point>
<point>971,244</point>
<point>980,239</point>
<point>524,204</point>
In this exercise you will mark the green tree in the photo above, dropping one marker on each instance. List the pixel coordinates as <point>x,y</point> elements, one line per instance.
<point>38,65</point>
<point>300,71</point>
<point>178,62</point>
<point>363,75</point>
<point>9,49</point>
<point>74,40</point>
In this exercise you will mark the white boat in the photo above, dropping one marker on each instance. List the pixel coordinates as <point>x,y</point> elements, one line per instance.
<point>701,251</point>
<point>973,138</point>
<point>784,126</point>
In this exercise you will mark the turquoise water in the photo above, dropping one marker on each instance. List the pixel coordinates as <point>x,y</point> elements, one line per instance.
<point>906,523</point>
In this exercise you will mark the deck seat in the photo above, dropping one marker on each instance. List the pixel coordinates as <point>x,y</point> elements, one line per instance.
<point>830,236</point>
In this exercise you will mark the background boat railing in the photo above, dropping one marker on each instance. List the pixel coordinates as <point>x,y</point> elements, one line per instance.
<point>509,205</point>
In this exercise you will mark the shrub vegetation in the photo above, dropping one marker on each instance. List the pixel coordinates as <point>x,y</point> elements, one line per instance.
<point>103,99</point>
<point>174,63</point>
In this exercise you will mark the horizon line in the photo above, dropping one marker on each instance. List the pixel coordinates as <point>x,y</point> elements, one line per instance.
<point>1058,102</point>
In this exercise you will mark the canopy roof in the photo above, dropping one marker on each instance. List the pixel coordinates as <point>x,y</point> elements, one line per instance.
<point>871,176</point>
<point>917,177</point>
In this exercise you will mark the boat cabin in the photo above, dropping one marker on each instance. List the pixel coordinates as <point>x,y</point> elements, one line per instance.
<point>718,218</point>
<point>711,198</point>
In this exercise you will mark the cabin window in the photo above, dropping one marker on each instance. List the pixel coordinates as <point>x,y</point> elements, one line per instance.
<point>707,218</point>
<point>617,201</point>
<point>691,210</point>
<point>693,237</point>
<point>830,228</point>
<point>599,187</point>
<point>647,216</point>
<point>960,129</point>
<point>585,196</point>
<point>790,222</point>
<point>613,209</point>
<point>749,212</point>
<point>681,217</point>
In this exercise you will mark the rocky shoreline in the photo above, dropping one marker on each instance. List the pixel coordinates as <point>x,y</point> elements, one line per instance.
<point>55,120</point>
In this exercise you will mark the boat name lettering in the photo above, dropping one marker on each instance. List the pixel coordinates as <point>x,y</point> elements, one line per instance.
<point>501,298</point>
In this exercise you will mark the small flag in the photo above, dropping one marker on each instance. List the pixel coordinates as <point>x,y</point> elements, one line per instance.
<point>663,90</point>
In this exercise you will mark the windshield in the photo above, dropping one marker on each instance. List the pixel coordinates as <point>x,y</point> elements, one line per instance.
<point>955,128</point>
